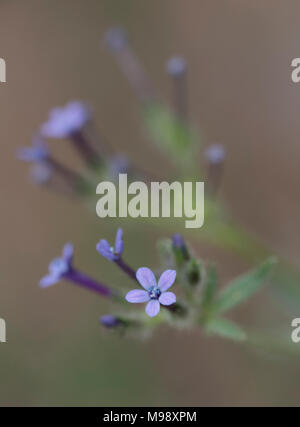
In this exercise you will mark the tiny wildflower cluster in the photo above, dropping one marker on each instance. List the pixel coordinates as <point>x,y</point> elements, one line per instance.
<point>196,298</point>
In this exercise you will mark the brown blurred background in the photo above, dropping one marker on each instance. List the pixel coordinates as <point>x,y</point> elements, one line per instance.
<point>241,94</point>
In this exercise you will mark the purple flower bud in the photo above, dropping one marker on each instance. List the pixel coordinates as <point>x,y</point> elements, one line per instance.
<point>110,321</point>
<point>179,245</point>
<point>109,252</point>
<point>178,241</point>
<point>215,154</point>
<point>176,66</point>
<point>65,121</point>
<point>116,39</point>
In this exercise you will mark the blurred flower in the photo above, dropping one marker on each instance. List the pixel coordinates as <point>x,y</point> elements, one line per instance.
<point>110,321</point>
<point>62,268</point>
<point>116,39</point>
<point>59,267</point>
<point>176,66</point>
<point>41,173</point>
<point>38,152</point>
<point>215,154</point>
<point>155,294</point>
<point>117,165</point>
<point>117,43</point>
<point>66,121</point>
<point>109,252</point>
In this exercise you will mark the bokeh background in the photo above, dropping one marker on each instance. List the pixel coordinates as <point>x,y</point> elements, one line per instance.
<point>241,94</point>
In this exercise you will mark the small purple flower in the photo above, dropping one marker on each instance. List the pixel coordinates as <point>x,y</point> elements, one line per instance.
<point>38,152</point>
<point>154,293</point>
<point>109,252</point>
<point>66,121</point>
<point>59,267</point>
<point>215,154</point>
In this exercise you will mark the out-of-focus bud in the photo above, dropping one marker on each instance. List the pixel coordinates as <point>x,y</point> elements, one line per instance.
<point>177,68</point>
<point>110,321</point>
<point>117,42</point>
<point>180,249</point>
<point>116,39</point>
<point>215,157</point>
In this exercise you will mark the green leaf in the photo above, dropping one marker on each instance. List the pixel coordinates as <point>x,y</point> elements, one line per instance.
<point>226,329</point>
<point>243,287</point>
<point>167,131</point>
<point>210,287</point>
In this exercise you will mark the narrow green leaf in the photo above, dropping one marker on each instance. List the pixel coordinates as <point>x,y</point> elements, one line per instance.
<point>226,329</point>
<point>243,287</point>
<point>170,135</point>
<point>210,287</point>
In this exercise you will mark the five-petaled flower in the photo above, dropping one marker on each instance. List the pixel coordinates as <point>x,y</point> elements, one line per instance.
<point>59,267</point>
<point>64,122</point>
<point>112,253</point>
<point>154,293</point>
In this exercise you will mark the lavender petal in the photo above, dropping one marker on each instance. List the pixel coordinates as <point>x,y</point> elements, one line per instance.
<point>146,277</point>
<point>137,296</point>
<point>166,280</point>
<point>104,248</point>
<point>119,245</point>
<point>68,252</point>
<point>152,308</point>
<point>48,281</point>
<point>167,298</point>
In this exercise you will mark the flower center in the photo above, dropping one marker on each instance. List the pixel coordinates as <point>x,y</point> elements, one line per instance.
<point>154,293</point>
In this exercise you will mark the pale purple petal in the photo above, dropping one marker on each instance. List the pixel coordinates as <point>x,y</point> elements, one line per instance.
<point>119,246</point>
<point>63,122</point>
<point>152,308</point>
<point>41,173</point>
<point>166,280</point>
<point>167,298</point>
<point>68,252</point>
<point>48,281</point>
<point>36,153</point>
<point>105,250</point>
<point>137,295</point>
<point>146,277</point>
